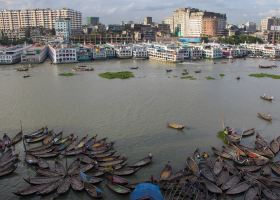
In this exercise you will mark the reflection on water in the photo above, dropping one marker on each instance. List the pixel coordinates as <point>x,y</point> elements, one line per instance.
<point>135,112</point>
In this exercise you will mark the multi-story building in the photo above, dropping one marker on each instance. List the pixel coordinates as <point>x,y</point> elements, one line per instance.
<point>148,21</point>
<point>46,18</point>
<point>268,22</point>
<point>92,21</point>
<point>62,53</point>
<point>11,55</point>
<point>84,53</point>
<point>191,22</point>
<point>63,28</point>
<point>123,51</point>
<point>251,27</point>
<point>35,54</point>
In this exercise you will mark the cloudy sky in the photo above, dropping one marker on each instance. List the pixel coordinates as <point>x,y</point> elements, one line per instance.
<point>114,11</point>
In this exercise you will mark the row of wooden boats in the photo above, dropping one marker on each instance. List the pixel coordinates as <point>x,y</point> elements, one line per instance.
<point>233,171</point>
<point>8,162</point>
<point>95,161</point>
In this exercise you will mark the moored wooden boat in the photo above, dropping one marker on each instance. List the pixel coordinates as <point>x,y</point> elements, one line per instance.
<point>274,146</point>
<point>76,183</point>
<point>176,126</point>
<point>93,191</point>
<point>265,116</point>
<point>7,140</point>
<point>64,185</point>
<point>118,188</point>
<point>17,138</point>
<point>47,173</point>
<point>125,171</point>
<point>267,66</point>
<point>30,159</point>
<point>248,132</point>
<point>143,162</point>
<point>29,190</point>
<point>166,172</point>
<point>89,179</point>
<point>43,164</point>
<point>192,165</point>
<point>41,180</point>
<point>117,179</point>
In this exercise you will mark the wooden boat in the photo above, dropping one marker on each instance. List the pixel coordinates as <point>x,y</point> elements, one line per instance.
<point>8,171</point>
<point>111,168</point>
<point>49,188</point>
<point>50,138</point>
<point>89,179</point>
<point>143,162</point>
<point>63,140</point>
<point>252,193</point>
<point>93,191</point>
<point>168,70</point>
<point>26,76</point>
<point>37,139</point>
<point>261,142</point>
<point>104,155</point>
<point>223,177</point>
<point>108,159</point>
<point>83,68</point>
<point>39,148</point>
<point>37,133</point>
<point>73,167</point>
<point>134,68</point>
<point>207,173</point>
<point>234,180</point>
<point>269,194</point>
<point>238,78</point>
<point>233,138</point>
<point>275,168</point>
<point>81,143</point>
<point>166,172</point>
<point>2,145</point>
<point>86,159</point>
<point>267,98</point>
<point>221,154</point>
<point>97,173</point>
<point>76,183</point>
<point>264,151</point>
<point>125,171</point>
<point>86,167</point>
<point>197,71</point>
<point>48,155</point>
<point>41,180</point>
<point>112,163</point>
<point>31,159</point>
<point>212,187</point>
<point>73,152</point>
<point>249,168</point>
<point>29,190</point>
<point>176,126</point>
<point>218,166</point>
<point>73,144</point>
<point>239,188</point>
<point>118,188</point>
<point>44,151</point>
<point>47,173</point>
<point>64,145</point>
<point>64,186</point>
<point>43,164</point>
<point>117,180</point>
<point>7,141</point>
<point>265,116</point>
<point>274,146</point>
<point>267,66</point>
<point>59,168</point>
<point>192,165</point>
<point>17,138</point>
<point>57,137</point>
<point>248,132</point>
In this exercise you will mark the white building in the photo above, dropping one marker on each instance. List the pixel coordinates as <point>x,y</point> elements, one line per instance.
<point>46,18</point>
<point>35,54</point>
<point>212,52</point>
<point>11,55</point>
<point>63,28</point>
<point>62,53</point>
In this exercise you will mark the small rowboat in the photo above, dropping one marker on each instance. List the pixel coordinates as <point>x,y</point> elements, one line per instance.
<point>166,172</point>
<point>17,138</point>
<point>248,132</point>
<point>145,161</point>
<point>197,71</point>
<point>168,70</point>
<point>265,116</point>
<point>93,191</point>
<point>176,126</point>
<point>267,66</point>
<point>118,188</point>
<point>267,98</point>
<point>117,180</point>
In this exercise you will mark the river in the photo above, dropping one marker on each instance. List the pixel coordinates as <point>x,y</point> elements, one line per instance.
<point>134,113</point>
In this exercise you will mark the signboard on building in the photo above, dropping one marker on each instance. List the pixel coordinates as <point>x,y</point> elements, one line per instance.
<point>275,28</point>
<point>190,40</point>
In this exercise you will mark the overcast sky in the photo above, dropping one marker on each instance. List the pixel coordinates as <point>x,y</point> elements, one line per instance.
<point>115,11</point>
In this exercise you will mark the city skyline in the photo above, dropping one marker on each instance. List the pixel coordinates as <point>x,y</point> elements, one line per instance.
<point>110,13</point>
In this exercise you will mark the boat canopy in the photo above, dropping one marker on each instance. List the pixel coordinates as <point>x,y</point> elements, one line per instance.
<point>146,191</point>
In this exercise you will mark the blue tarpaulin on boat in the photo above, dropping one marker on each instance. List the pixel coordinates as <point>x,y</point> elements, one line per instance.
<point>146,191</point>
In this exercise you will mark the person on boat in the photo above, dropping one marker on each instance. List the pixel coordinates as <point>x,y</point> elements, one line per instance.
<point>150,155</point>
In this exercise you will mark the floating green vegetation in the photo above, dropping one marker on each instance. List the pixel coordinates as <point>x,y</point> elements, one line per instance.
<point>209,78</point>
<point>222,75</point>
<point>264,75</point>
<point>188,77</point>
<point>223,136</point>
<point>119,75</point>
<point>67,74</point>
